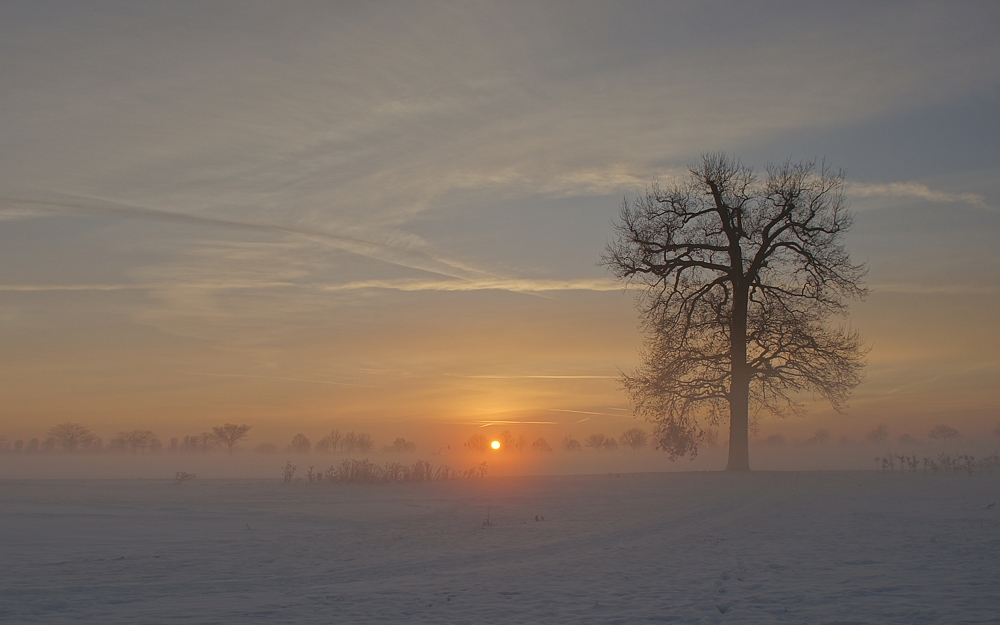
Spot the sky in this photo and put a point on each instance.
(389, 216)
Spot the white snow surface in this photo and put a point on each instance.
(810, 547)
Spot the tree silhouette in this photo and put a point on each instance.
(878, 434)
(330, 442)
(571, 444)
(300, 444)
(943, 433)
(401, 445)
(634, 438)
(71, 436)
(230, 434)
(541, 444)
(136, 439)
(740, 276)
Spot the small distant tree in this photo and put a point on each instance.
(634, 438)
(330, 442)
(541, 445)
(300, 444)
(595, 441)
(136, 439)
(878, 434)
(507, 440)
(71, 436)
(349, 442)
(821, 436)
(365, 442)
(521, 442)
(943, 433)
(478, 443)
(230, 434)
(401, 445)
(610, 443)
(571, 444)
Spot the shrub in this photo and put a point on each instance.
(288, 472)
(367, 472)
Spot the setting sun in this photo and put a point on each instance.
(495, 444)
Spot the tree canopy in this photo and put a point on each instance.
(739, 275)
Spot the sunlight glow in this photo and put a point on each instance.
(495, 444)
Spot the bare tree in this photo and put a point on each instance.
(878, 434)
(330, 442)
(477, 442)
(571, 444)
(541, 445)
(230, 434)
(943, 433)
(635, 438)
(595, 441)
(300, 444)
(401, 445)
(740, 276)
(507, 440)
(365, 442)
(71, 436)
(136, 439)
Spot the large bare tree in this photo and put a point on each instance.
(741, 274)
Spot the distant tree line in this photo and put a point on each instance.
(71, 437)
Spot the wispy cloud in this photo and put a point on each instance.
(522, 285)
(206, 286)
(486, 424)
(602, 414)
(934, 289)
(917, 190)
(540, 377)
(275, 377)
(398, 250)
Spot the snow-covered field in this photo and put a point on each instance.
(814, 547)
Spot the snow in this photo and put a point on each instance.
(783, 547)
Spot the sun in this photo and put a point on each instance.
(495, 444)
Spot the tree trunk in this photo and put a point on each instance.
(739, 390)
(739, 418)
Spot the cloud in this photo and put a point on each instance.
(517, 285)
(909, 288)
(397, 248)
(917, 190)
